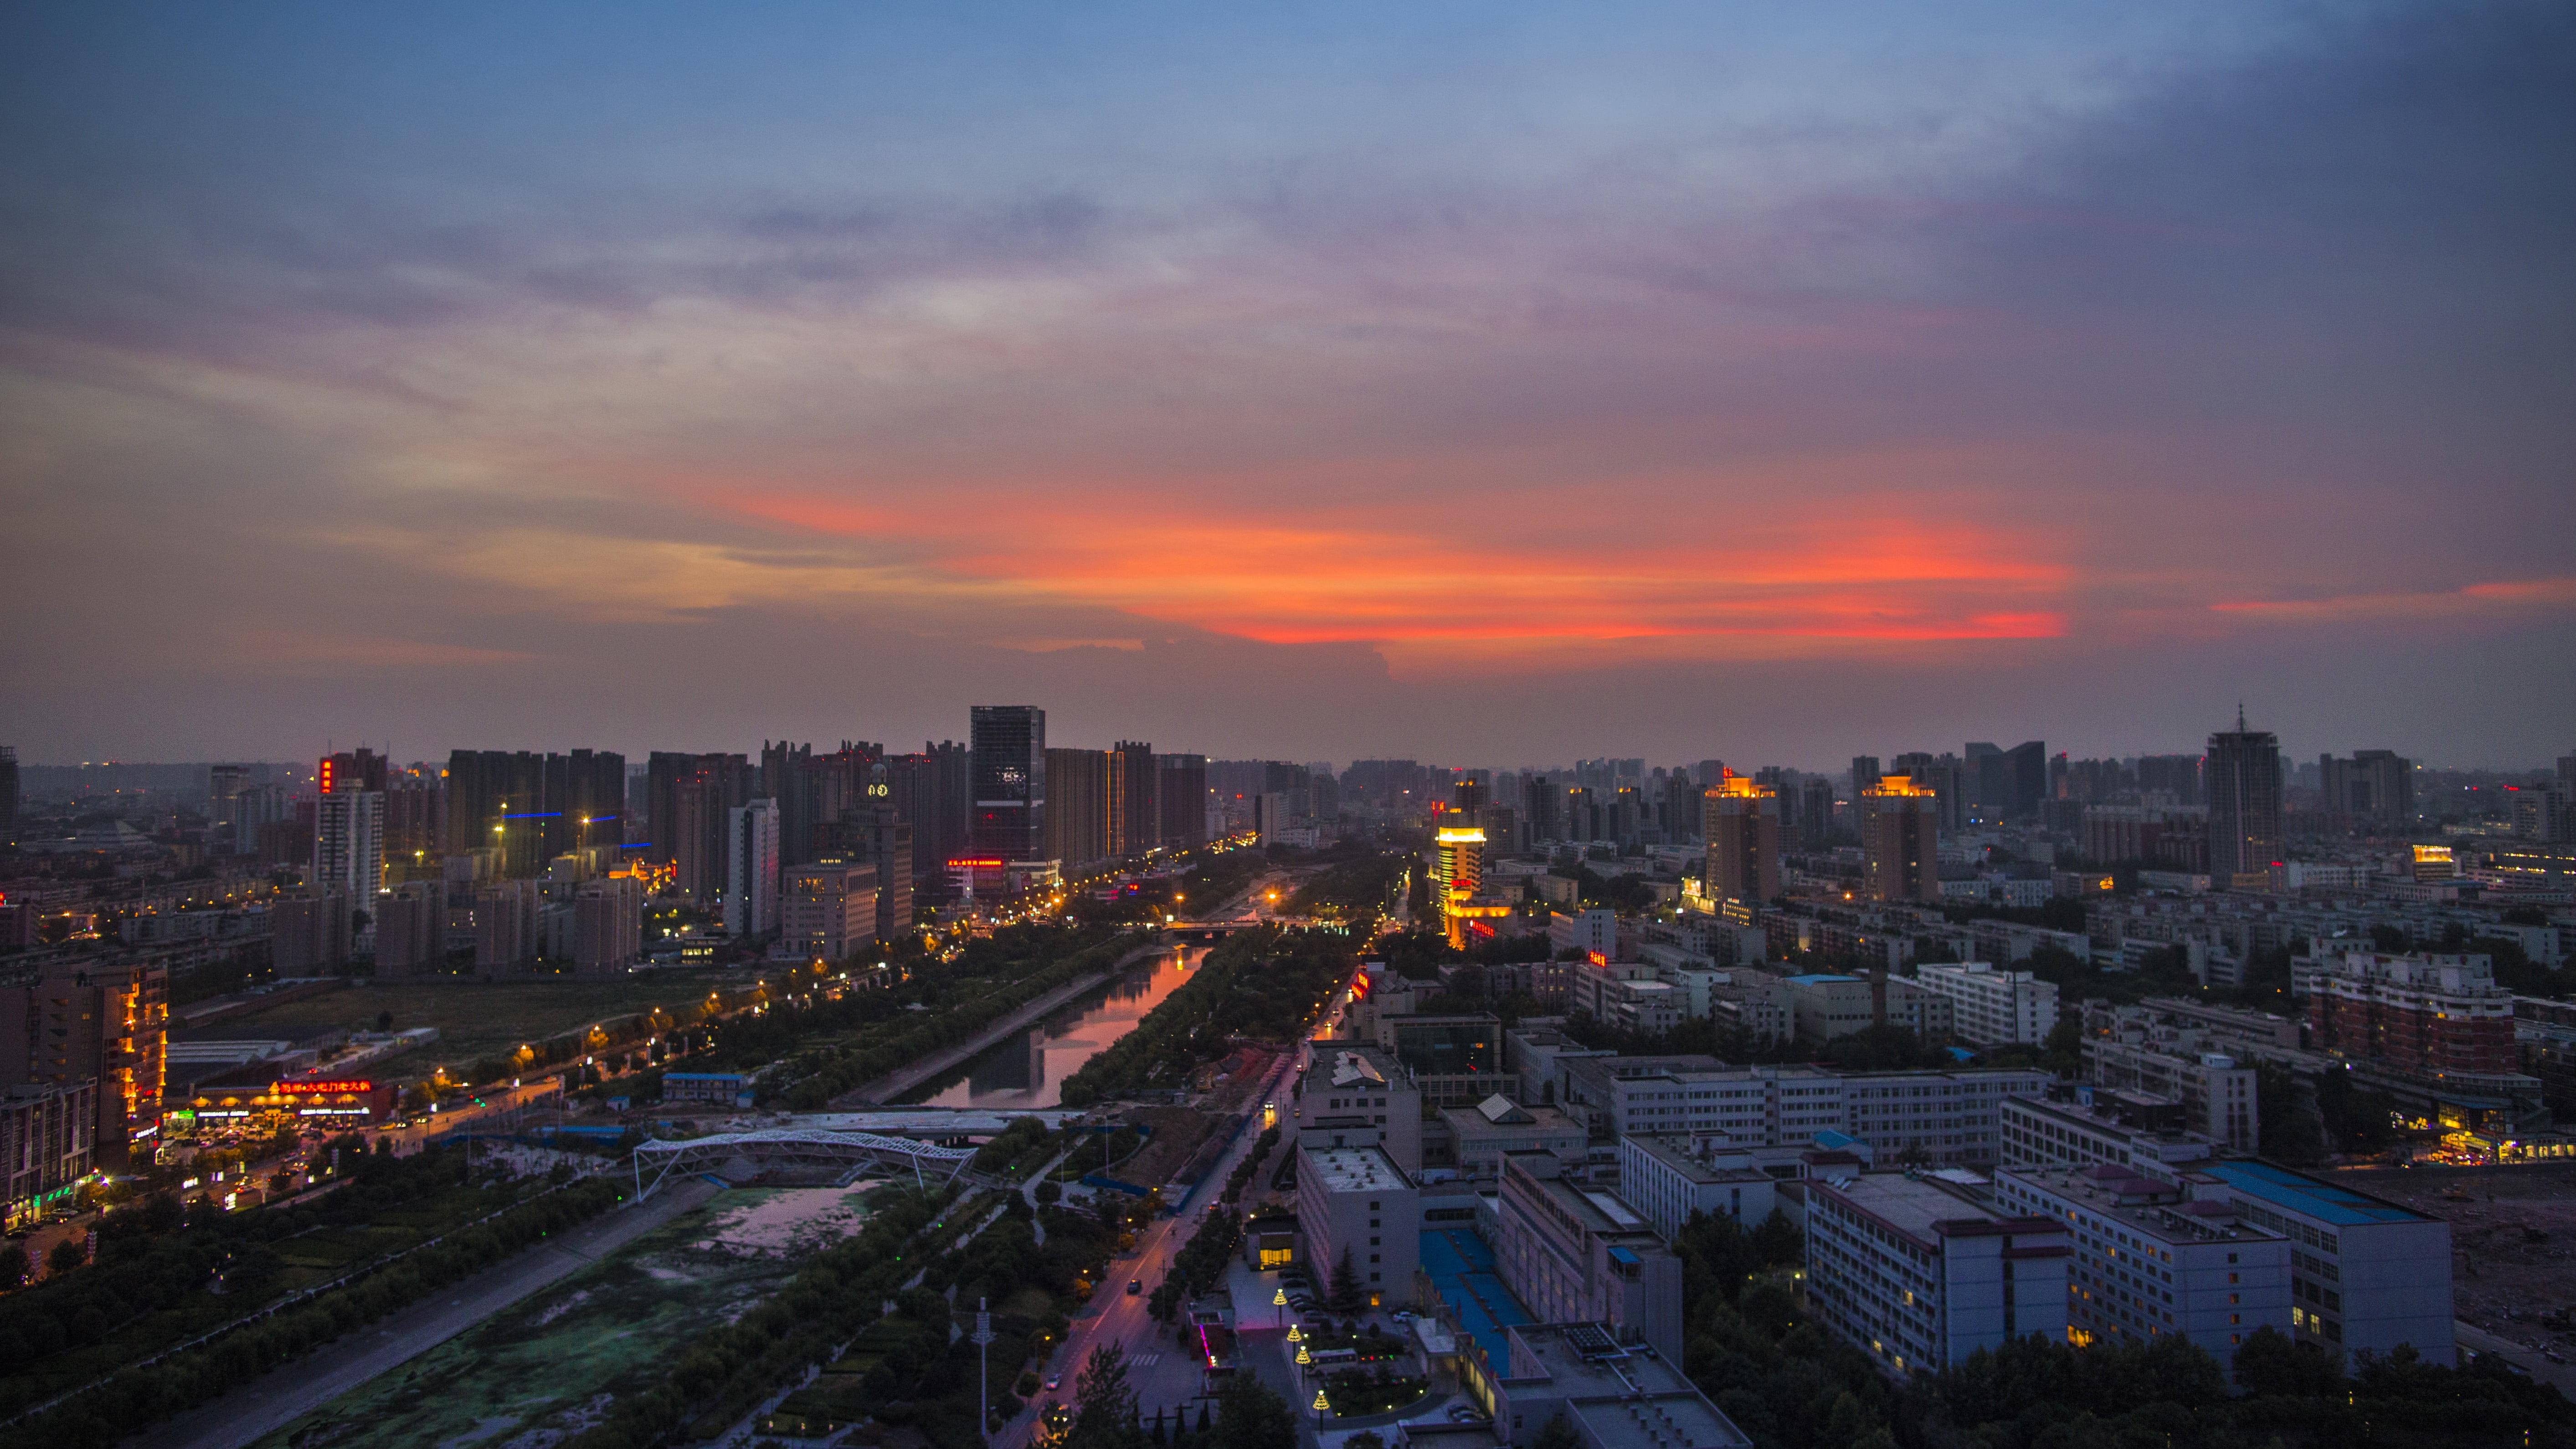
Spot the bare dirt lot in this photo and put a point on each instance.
(2513, 1240)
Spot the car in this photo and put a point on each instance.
(1054, 1382)
(1135, 1286)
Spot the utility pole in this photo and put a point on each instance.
(983, 1383)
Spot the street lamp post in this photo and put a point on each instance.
(983, 1381)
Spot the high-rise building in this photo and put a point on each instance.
(224, 787)
(1901, 840)
(9, 794)
(2175, 775)
(828, 909)
(349, 841)
(79, 1023)
(880, 836)
(1181, 795)
(2243, 777)
(608, 926)
(933, 791)
(751, 869)
(1077, 807)
(813, 790)
(2025, 778)
(2374, 790)
(1743, 839)
(1141, 825)
(1865, 773)
(535, 807)
(411, 931)
(1008, 744)
(1457, 871)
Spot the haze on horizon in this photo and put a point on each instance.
(1478, 384)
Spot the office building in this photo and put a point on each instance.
(349, 844)
(2431, 1014)
(1901, 841)
(1355, 1205)
(2373, 791)
(1471, 1141)
(1612, 1398)
(1826, 1006)
(1919, 1273)
(2134, 1131)
(2216, 1090)
(827, 910)
(1457, 871)
(1008, 742)
(1742, 823)
(2365, 1273)
(48, 1143)
(2243, 778)
(1359, 1097)
(1991, 1008)
(751, 870)
(1661, 1178)
(82, 1023)
(1455, 1060)
(2150, 1263)
(1583, 1256)
(1950, 1117)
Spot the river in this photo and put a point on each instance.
(1028, 1068)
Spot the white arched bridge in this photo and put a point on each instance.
(852, 1154)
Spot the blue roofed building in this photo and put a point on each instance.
(2366, 1275)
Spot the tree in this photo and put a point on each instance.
(1049, 1193)
(1345, 1295)
(384, 1021)
(2270, 1362)
(13, 1266)
(1250, 1416)
(1104, 1407)
(1778, 1239)
(2285, 1118)
(68, 1254)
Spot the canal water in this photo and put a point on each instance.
(1028, 1069)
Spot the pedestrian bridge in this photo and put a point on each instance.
(850, 1154)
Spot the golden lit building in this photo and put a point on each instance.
(1457, 871)
(1743, 829)
(1900, 833)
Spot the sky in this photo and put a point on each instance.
(1478, 384)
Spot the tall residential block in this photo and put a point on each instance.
(76, 1024)
(536, 807)
(1077, 807)
(2374, 790)
(751, 869)
(2243, 779)
(608, 926)
(1141, 822)
(1743, 829)
(1181, 796)
(1901, 840)
(349, 844)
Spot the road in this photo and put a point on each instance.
(2526, 1359)
(1162, 1373)
(269, 1403)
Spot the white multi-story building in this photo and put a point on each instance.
(2218, 1091)
(827, 910)
(1918, 1273)
(1827, 1006)
(349, 844)
(1940, 1117)
(1354, 1204)
(2040, 1133)
(1594, 932)
(751, 869)
(1993, 1008)
(1577, 1255)
(1664, 1181)
(2366, 1274)
(2149, 1263)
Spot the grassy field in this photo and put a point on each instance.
(474, 1018)
(557, 1360)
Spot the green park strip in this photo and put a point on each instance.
(1263, 985)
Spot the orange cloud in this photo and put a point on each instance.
(2468, 600)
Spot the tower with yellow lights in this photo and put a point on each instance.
(1900, 834)
(1743, 829)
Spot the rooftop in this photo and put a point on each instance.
(2299, 1193)
(1355, 1169)
(1673, 1152)
(1626, 1396)
(1460, 1266)
(2142, 1204)
(1922, 1208)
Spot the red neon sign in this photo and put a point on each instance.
(978, 863)
(326, 774)
(317, 1089)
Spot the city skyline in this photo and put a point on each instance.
(1494, 385)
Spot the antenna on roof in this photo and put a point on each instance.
(2240, 716)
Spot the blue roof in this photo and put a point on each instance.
(1461, 1268)
(1962, 1054)
(1813, 977)
(2314, 1197)
(1833, 1141)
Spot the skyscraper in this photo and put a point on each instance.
(1457, 870)
(1743, 839)
(751, 869)
(349, 828)
(1181, 797)
(224, 787)
(1141, 828)
(9, 794)
(1901, 840)
(1008, 746)
(2025, 779)
(2243, 778)
(1865, 773)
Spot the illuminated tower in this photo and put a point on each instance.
(1457, 872)
(349, 828)
(1743, 827)
(1010, 782)
(1900, 840)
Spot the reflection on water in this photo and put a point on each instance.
(1027, 1068)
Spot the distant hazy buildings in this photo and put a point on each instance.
(2374, 790)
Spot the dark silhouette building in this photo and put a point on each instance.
(1007, 743)
(2243, 778)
